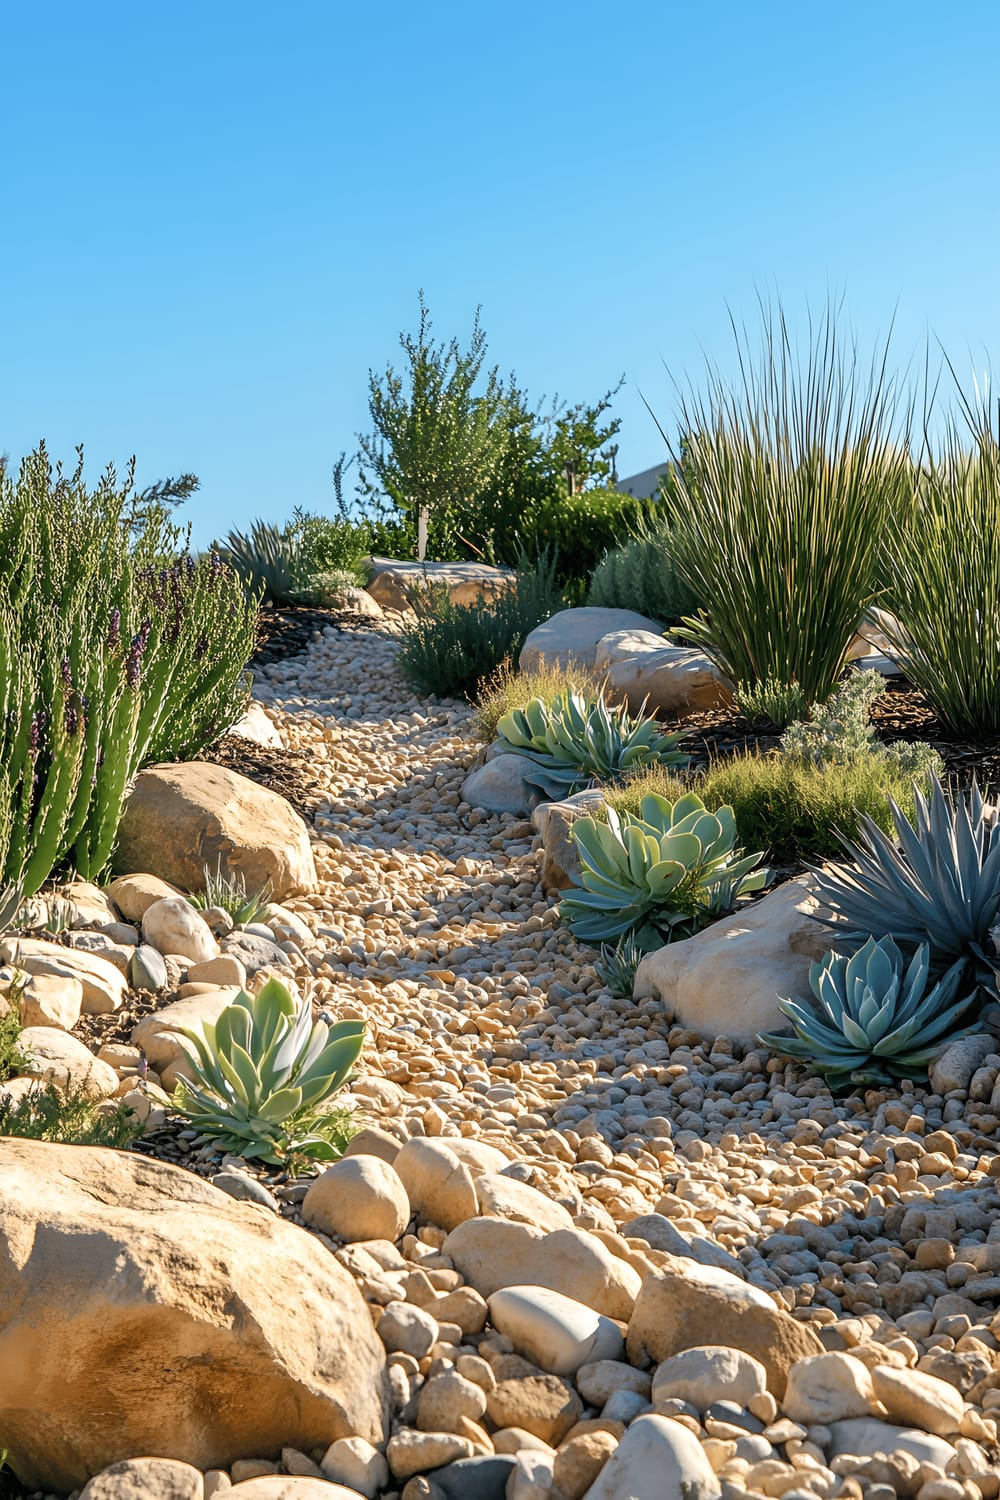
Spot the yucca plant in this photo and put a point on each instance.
(229, 891)
(872, 1017)
(264, 1076)
(576, 739)
(662, 875)
(943, 566)
(781, 491)
(936, 883)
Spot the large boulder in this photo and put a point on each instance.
(726, 980)
(182, 818)
(144, 1313)
(573, 635)
(467, 582)
(643, 668)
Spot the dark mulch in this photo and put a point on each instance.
(283, 633)
(289, 772)
(902, 713)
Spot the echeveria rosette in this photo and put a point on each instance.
(872, 1018)
(662, 874)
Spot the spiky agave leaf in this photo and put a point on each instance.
(264, 1073)
(937, 882)
(664, 872)
(870, 1019)
(578, 738)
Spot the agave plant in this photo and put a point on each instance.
(577, 738)
(662, 875)
(269, 562)
(938, 883)
(870, 1019)
(617, 965)
(264, 1074)
(229, 890)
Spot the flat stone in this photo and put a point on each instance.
(51, 1000)
(225, 968)
(866, 1435)
(392, 580)
(495, 1253)
(133, 894)
(573, 635)
(660, 1234)
(290, 1487)
(241, 1185)
(90, 941)
(503, 1197)
(103, 984)
(54, 1056)
(254, 953)
(555, 1332)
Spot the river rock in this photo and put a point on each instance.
(147, 1285)
(184, 817)
(501, 786)
(657, 1459)
(711, 1372)
(553, 1331)
(553, 820)
(503, 1197)
(356, 1463)
(725, 981)
(439, 1186)
(828, 1388)
(51, 1000)
(495, 1253)
(134, 894)
(685, 1307)
(146, 1479)
(54, 1056)
(103, 984)
(865, 1435)
(358, 1198)
(914, 1399)
(573, 635)
(174, 926)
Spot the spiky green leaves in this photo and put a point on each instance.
(937, 883)
(663, 874)
(577, 738)
(264, 1075)
(872, 1017)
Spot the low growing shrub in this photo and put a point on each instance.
(507, 689)
(838, 732)
(449, 649)
(640, 574)
(771, 705)
(68, 1116)
(228, 890)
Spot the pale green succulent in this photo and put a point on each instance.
(617, 965)
(869, 1021)
(662, 875)
(937, 883)
(577, 739)
(264, 1075)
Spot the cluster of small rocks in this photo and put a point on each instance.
(605, 1255)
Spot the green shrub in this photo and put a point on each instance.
(617, 965)
(839, 731)
(576, 739)
(263, 1077)
(578, 530)
(450, 649)
(331, 544)
(661, 875)
(944, 581)
(68, 1116)
(640, 574)
(507, 689)
(780, 497)
(796, 810)
(870, 1021)
(771, 705)
(115, 649)
(12, 1059)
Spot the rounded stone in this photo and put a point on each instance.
(711, 1372)
(173, 926)
(358, 1198)
(554, 1331)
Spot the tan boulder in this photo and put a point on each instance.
(89, 905)
(495, 1253)
(688, 1306)
(51, 1000)
(181, 818)
(573, 635)
(146, 1479)
(829, 1388)
(134, 894)
(503, 1197)
(725, 981)
(174, 926)
(358, 1198)
(914, 1399)
(671, 680)
(438, 1185)
(467, 582)
(159, 1034)
(553, 820)
(144, 1313)
(104, 985)
(54, 1056)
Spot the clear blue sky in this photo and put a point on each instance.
(217, 214)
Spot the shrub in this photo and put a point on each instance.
(331, 544)
(12, 1059)
(779, 500)
(770, 705)
(662, 875)
(627, 795)
(796, 810)
(578, 529)
(944, 581)
(869, 1021)
(312, 561)
(640, 574)
(937, 882)
(838, 732)
(264, 1075)
(506, 690)
(576, 738)
(68, 1116)
(115, 649)
(450, 649)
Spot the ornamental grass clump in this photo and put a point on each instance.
(264, 1077)
(507, 689)
(662, 874)
(782, 488)
(936, 883)
(872, 1017)
(576, 739)
(116, 649)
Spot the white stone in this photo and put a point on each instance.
(573, 635)
(711, 1372)
(103, 985)
(55, 1056)
(553, 1331)
(256, 727)
(356, 1463)
(502, 1197)
(174, 926)
(657, 1459)
(864, 1435)
(828, 1388)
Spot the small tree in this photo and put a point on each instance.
(435, 442)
